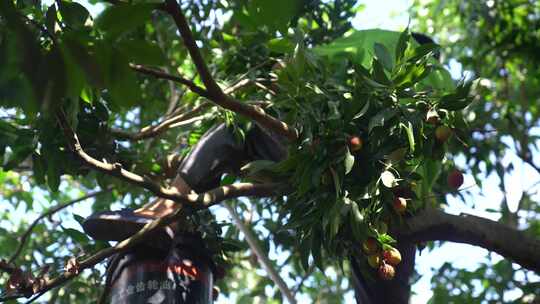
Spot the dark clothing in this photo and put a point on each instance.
(147, 275)
(218, 151)
(181, 275)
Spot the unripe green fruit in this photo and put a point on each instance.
(374, 261)
(442, 133)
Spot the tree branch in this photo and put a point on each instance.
(193, 200)
(253, 243)
(160, 74)
(174, 9)
(215, 93)
(50, 212)
(187, 82)
(167, 124)
(432, 224)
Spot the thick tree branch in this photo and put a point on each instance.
(174, 9)
(50, 212)
(432, 224)
(193, 200)
(214, 91)
(167, 124)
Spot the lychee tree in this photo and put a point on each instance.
(110, 105)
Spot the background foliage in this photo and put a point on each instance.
(497, 42)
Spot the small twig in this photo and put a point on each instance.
(304, 278)
(253, 243)
(37, 296)
(237, 86)
(530, 162)
(160, 74)
(443, 194)
(50, 212)
(152, 131)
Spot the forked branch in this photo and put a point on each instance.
(215, 93)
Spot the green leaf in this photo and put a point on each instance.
(76, 235)
(337, 182)
(403, 43)
(348, 162)
(357, 43)
(123, 87)
(275, 14)
(75, 76)
(73, 14)
(53, 175)
(423, 50)
(120, 18)
(304, 249)
(316, 249)
(411, 74)
(410, 135)
(38, 166)
(384, 56)
(280, 45)
(231, 245)
(50, 18)
(363, 111)
(79, 219)
(379, 75)
(385, 239)
(381, 118)
(457, 100)
(142, 52)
